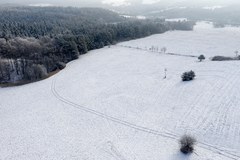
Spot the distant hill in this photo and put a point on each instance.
(219, 11)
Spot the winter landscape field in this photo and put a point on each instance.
(114, 104)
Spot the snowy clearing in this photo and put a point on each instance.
(114, 104)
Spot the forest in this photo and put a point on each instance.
(36, 41)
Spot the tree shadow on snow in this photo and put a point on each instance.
(185, 83)
(180, 156)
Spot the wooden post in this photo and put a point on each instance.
(165, 73)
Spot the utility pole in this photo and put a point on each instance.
(165, 73)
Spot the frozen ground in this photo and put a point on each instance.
(113, 104)
(203, 40)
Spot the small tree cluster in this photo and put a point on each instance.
(13, 71)
(188, 76)
(187, 144)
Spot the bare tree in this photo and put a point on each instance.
(187, 144)
(236, 52)
(164, 50)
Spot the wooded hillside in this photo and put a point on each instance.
(35, 41)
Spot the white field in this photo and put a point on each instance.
(203, 40)
(176, 19)
(113, 104)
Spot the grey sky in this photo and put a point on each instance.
(121, 2)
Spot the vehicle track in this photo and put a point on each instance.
(136, 127)
(197, 101)
(125, 123)
(223, 108)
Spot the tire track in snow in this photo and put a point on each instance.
(134, 126)
(114, 151)
(113, 119)
(196, 102)
(223, 108)
(115, 132)
(197, 99)
(215, 98)
(227, 106)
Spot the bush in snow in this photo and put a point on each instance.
(201, 58)
(223, 58)
(187, 144)
(188, 76)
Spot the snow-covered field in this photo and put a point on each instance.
(176, 19)
(205, 39)
(113, 104)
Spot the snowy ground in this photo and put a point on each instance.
(203, 40)
(113, 104)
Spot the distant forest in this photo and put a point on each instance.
(220, 16)
(35, 41)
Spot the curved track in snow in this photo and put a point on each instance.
(169, 135)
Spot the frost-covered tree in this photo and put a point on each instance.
(164, 50)
(35, 72)
(187, 144)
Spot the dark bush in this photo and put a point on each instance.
(188, 76)
(187, 144)
(222, 58)
(201, 58)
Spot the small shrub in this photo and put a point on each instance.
(187, 144)
(188, 76)
(201, 58)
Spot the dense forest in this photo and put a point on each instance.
(35, 41)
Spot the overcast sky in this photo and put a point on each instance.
(120, 2)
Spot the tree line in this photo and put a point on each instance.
(35, 41)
